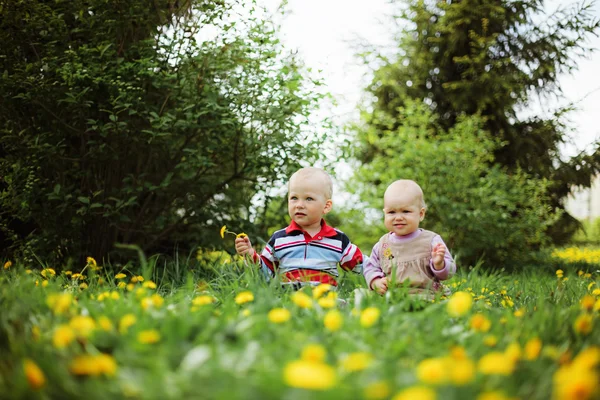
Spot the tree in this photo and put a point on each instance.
(127, 122)
(489, 58)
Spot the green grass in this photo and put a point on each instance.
(229, 351)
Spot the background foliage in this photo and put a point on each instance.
(146, 123)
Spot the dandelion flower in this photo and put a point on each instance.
(559, 273)
(513, 351)
(309, 375)
(7, 264)
(480, 323)
(203, 300)
(329, 301)
(244, 297)
(583, 324)
(333, 320)
(82, 325)
(105, 323)
(433, 371)
(495, 395)
(120, 275)
(587, 302)
(319, 291)
(459, 304)
(356, 362)
(223, 230)
(496, 363)
(369, 316)
(462, 371)
(46, 272)
(377, 391)
(301, 299)
(149, 285)
(93, 365)
(314, 353)
(533, 347)
(33, 373)
(91, 262)
(126, 321)
(63, 336)
(416, 393)
(59, 303)
(573, 382)
(148, 336)
(279, 315)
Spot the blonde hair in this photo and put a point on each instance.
(318, 173)
(406, 185)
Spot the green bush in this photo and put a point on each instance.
(479, 209)
(129, 123)
(589, 233)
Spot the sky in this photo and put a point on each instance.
(325, 34)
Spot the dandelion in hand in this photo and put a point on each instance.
(224, 231)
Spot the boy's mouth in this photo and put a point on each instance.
(300, 215)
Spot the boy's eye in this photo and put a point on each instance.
(293, 198)
(309, 199)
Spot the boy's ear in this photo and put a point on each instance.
(422, 214)
(328, 206)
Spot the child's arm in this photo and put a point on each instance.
(373, 273)
(266, 260)
(442, 264)
(352, 257)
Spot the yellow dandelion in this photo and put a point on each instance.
(44, 283)
(559, 273)
(490, 340)
(63, 336)
(433, 371)
(244, 297)
(203, 300)
(7, 264)
(126, 321)
(333, 320)
(369, 316)
(121, 285)
(588, 358)
(377, 391)
(314, 353)
(46, 272)
(33, 373)
(519, 313)
(480, 323)
(459, 304)
(513, 351)
(301, 299)
(462, 371)
(149, 285)
(496, 363)
(83, 285)
(279, 315)
(223, 230)
(587, 302)
(241, 235)
(120, 275)
(91, 262)
(93, 365)
(416, 393)
(320, 290)
(59, 303)
(309, 375)
(354, 362)
(572, 382)
(533, 347)
(583, 324)
(82, 325)
(494, 395)
(328, 301)
(246, 312)
(148, 336)
(105, 323)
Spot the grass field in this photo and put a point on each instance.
(219, 332)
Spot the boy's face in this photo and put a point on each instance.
(403, 211)
(307, 202)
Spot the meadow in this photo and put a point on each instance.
(211, 328)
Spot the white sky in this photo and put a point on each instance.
(325, 32)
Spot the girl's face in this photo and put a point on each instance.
(403, 213)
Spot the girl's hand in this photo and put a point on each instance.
(243, 246)
(437, 255)
(380, 285)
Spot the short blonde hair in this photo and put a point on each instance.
(317, 173)
(406, 185)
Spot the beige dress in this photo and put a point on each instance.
(408, 263)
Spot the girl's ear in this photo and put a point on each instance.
(328, 206)
(422, 214)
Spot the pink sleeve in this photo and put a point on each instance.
(372, 267)
(449, 264)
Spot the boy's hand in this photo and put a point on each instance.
(243, 246)
(380, 285)
(437, 255)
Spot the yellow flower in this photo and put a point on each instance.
(559, 273)
(495, 395)
(309, 375)
(279, 315)
(246, 313)
(513, 351)
(496, 363)
(105, 323)
(59, 303)
(33, 373)
(301, 299)
(462, 371)
(83, 285)
(328, 301)
(44, 283)
(314, 353)
(354, 362)
(126, 321)
(91, 262)
(150, 285)
(519, 313)
(573, 382)
(93, 365)
(203, 300)
(82, 325)
(240, 235)
(333, 320)
(7, 264)
(433, 371)
(120, 275)
(223, 230)
(244, 297)
(148, 336)
(135, 279)
(63, 336)
(377, 391)
(587, 302)
(154, 301)
(48, 272)
(583, 324)
(490, 340)
(459, 304)
(369, 316)
(416, 393)
(533, 347)
(587, 358)
(121, 285)
(320, 290)
(480, 323)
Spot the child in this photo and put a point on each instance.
(308, 250)
(408, 253)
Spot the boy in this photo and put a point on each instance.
(308, 250)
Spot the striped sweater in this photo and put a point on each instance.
(301, 259)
